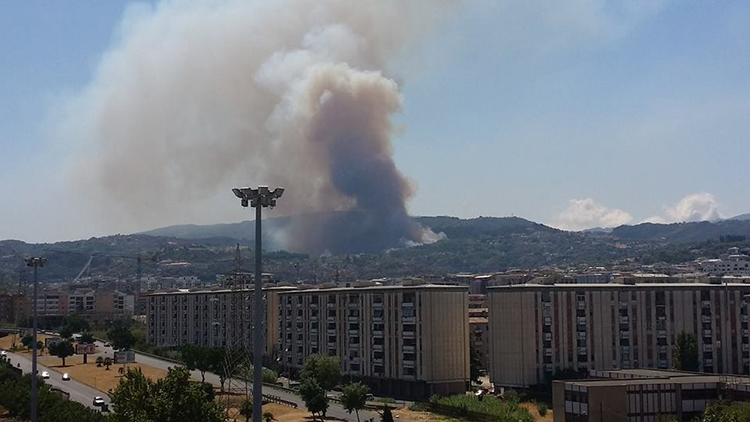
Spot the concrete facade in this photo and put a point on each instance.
(539, 330)
(404, 341)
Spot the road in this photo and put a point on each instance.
(79, 392)
(334, 410)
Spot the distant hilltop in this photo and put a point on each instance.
(476, 245)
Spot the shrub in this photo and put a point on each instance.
(542, 408)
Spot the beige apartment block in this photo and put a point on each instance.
(404, 341)
(209, 317)
(538, 330)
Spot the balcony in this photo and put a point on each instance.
(353, 305)
(705, 304)
(745, 332)
(624, 320)
(706, 333)
(661, 334)
(746, 347)
(353, 318)
(408, 349)
(331, 305)
(378, 333)
(408, 363)
(581, 306)
(378, 361)
(581, 335)
(313, 306)
(705, 319)
(409, 320)
(408, 335)
(708, 348)
(623, 306)
(547, 352)
(583, 351)
(331, 332)
(743, 318)
(377, 347)
(331, 319)
(407, 304)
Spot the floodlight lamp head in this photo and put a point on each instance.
(263, 190)
(244, 202)
(238, 193)
(278, 192)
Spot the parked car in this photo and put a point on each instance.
(3, 353)
(66, 377)
(45, 374)
(98, 401)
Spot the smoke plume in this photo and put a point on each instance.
(196, 97)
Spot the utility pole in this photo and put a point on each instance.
(35, 262)
(258, 199)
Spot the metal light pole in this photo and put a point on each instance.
(35, 262)
(258, 199)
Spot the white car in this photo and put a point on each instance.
(98, 401)
(45, 375)
(66, 377)
(3, 354)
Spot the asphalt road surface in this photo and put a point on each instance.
(334, 409)
(79, 392)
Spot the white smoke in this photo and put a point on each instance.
(694, 207)
(200, 96)
(587, 213)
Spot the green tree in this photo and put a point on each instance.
(326, 370)
(217, 364)
(121, 337)
(246, 409)
(314, 396)
(62, 349)
(685, 354)
(76, 323)
(27, 341)
(99, 361)
(107, 363)
(40, 346)
(268, 417)
(197, 357)
(723, 411)
(387, 415)
(354, 397)
(66, 333)
(475, 367)
(170, 399)
(87, 338)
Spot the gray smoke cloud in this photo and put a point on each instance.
(196, 97)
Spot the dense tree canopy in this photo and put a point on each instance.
(685, 353)
(171, 399)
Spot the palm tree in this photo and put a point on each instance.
(268, 417)
(107, 363)
(99, 361)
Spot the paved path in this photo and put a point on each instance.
(79, 392)
(334, 410)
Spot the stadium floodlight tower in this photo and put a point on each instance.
(259, 198)
(35, 262)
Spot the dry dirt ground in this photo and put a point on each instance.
(535, 412)
(7, 341)
(98, 377)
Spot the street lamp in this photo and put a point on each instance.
(35, 262)
(258, 199)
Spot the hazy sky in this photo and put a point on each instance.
(575, 114)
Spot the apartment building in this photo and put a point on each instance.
(643, 395)
(407, 341)
(539, 330)
(210, 317)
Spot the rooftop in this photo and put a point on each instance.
(652, 376)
